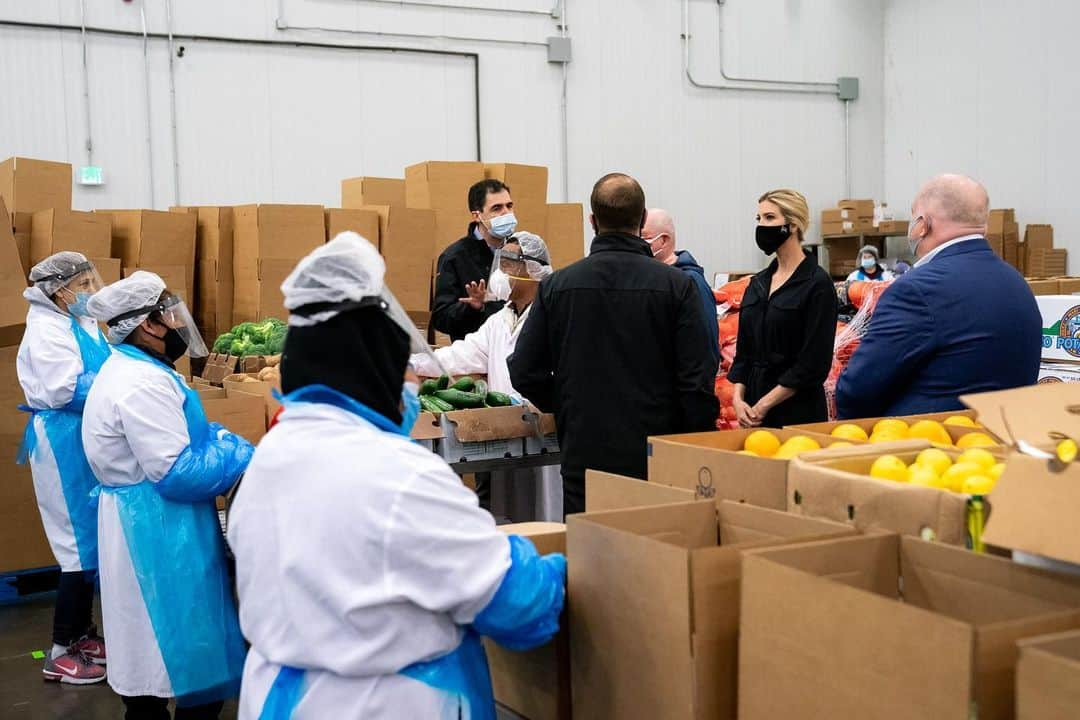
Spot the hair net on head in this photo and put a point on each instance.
(868, 250)
(138, 290)
(56, 271)
(346, 268)
(534, 253)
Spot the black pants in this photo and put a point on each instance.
(573, 495)
(147, 707)
(483, 489)
(74, 607)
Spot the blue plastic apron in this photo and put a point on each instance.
(462, 673)
(178, 556)
(63, 430)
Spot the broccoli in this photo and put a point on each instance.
(240, 347)
(262, 338)
(223, 343)
(256, 349)
(276, 343)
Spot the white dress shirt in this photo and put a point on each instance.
(956, 241)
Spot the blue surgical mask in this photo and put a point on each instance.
(868, 263)
(410, 406)
(78, 307)
(503, 226)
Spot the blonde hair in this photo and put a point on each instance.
(793, 205)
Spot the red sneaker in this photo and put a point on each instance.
(73, 668)
(91, 646)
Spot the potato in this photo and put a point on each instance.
(273, 360)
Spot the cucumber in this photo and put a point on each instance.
(443, 382)
(461, 400)
(440, 406)
(465, 384)
(428, 387)
(481, 388)
(498, 399)
(426, 404)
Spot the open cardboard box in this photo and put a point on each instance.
(889, 627)
(837, 485)
(261, 388)
(1036, 498)
(240, 413)
(867, 424)
(654, 604)
(709, 463)
(486, 433)
(1048, 677)
(607, 491)
(427, 431)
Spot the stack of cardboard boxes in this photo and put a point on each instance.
(1041, 258)
(847, 227)
(1003, 234)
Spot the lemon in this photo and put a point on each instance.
(796, 445)
(849, 432)
(762, 442)
(935, 459)
(889, 467)
(997, 471)
(1066, 450)
(975, 439)
(962, 421)
(954, 477)
(978, 485)
(979, 456)
(923, 475)
(893, 426)
(886, 436)
(841, 444)
(931, 431)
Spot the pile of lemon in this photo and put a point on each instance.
(975, 471)
(763, 443)
(894, 429)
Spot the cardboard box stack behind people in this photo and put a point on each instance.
(654, 610)
(565, 233)
(444, 188)
(889, 627)
(29, 185)
(1048, 677)
(213, 269)
(528, 187)
(407, 244)
(54, 230)
(361, 191)
(160, 242)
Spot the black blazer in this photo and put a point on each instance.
(787, 339)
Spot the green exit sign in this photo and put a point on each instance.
(91, 175)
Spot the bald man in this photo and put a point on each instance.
(960, 321)
(659, 233)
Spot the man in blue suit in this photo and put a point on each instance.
(960, 321)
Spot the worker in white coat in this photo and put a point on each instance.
(366, 571)
(165, 593)
(60, 355)
(518, 268)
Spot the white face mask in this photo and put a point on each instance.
(913, 242)
(650, 242)
(502, 226)
(499, 285)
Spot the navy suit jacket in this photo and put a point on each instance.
(966, 322)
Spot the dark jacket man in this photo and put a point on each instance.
(467, 260)
(688, 264)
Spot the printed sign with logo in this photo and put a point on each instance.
(1061, 327)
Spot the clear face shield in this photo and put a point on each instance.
(510, 265)
(173, 313)
(76, 286)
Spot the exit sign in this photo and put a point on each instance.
(91, 175)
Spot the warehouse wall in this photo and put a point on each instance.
(987, 89)
(286, 124)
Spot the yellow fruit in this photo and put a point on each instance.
(747, 452)
(997, 471)
(1066, 450)
(762, 442)
(962, 421)
(978, 485)
(889, 467)
(849, 432)
(886, 437)
(975, 439)
(936, 460)
(893, 426)
(923, 475)
(931, 431)
(796, 445)
(979, 456)
(841, 444)
(954, 477)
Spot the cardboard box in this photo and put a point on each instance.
(887, 627)
(1047, 263)
(893, 226)
(54, 230)
(1061, 327)
(260, 388)
(444, 188)
(534, 684)
(12, 284)
(407, 243)
(151, 238)
(867, 424)
(710, 465)
(1068, 286)
(547, 439)
(861, 208)
(363, 222)
(213, 269)
(836, 215)
(839, 487)
(565, 233)
(1048, 677)
(999, 218)
(427, 431)
(29, 185)
(1034, 499)
(108, 268)
(485, 433)
(359, 192)
(1039, 237)
(607, 491)
(268, 240)
(241, 413)
(654, 605)
(528, 187)
(1042, 286)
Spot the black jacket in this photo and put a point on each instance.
(467, 260)
(615, 345)
(787, 339)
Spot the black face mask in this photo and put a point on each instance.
(175, 345)
(771, 237)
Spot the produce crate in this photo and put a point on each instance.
(550, 441)
(485, 433)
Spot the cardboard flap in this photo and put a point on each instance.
(486, 424)
(1029, 413)
(606, 491)
(684, 524)
(1048, 677)
(427, 427)
(547, 537)
(741, 523)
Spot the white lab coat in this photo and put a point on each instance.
(133, 429)
(358, 554)
(486, 351)
(48, 365)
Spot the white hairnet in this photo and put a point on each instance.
(346, 268)
(868, 250)
(56, 271)
(138, 290)
(535, 251)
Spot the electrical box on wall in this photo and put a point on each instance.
(558, 49)
(91, 175)
(847, 88)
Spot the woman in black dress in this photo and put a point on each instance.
(786, 325)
